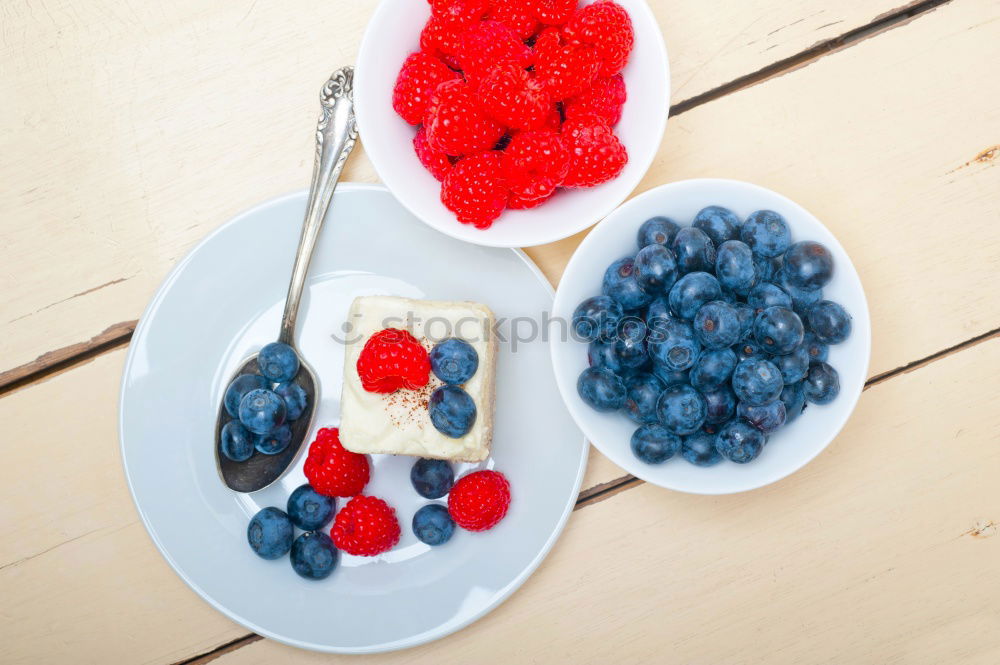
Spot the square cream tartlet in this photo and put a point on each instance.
(399, 423)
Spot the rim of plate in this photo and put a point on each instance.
(568, 392)
(430, 636)
(643, 162)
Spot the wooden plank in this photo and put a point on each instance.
(184, 114)
(880, 551)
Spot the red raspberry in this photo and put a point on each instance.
(488, 44)
(478, 501)
(420, 75)
(553, 12)
(534, 164)
(596, 153)
(605, 98)
(434, 161)
(554, 120)
(563, 69)
(393, 359)
(517, 203)
(474, 189)
(518, 15)
(455, 124)
(459, 14)
(513, 97)
(366, 526)
(441, 41)
(606, 26)
(331, 469)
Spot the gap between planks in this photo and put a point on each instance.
(120, 334)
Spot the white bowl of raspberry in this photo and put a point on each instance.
(533, 120)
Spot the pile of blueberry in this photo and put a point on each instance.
(271, 532)
(432, 478)
(712, 336)
(452, 410)
(262, 406)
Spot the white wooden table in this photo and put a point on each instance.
(129, 129)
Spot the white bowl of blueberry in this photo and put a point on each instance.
(718, 336)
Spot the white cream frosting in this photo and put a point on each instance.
(399, 423)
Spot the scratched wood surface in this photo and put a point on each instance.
(879, 551)
(131, 129)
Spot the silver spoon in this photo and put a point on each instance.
(336, 135)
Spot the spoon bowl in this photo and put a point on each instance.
(336, 135)
(261, 470)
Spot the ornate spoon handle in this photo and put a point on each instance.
(336, 135)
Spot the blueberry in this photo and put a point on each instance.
(602, 354)
(681, 409)
(767, 418)
(766, 294)
(822, 383)
(767, 267)
(739, 442)
(642, 391)
(597, 318)
(601, 389)
(452, 411)
(620, 283)
(295, 399)
(433, 525)
(655, 268)
(657, 230)
(712, 369)
(654, 444)
(432, 478)
(262, 410)
(454, 360)
(669, 377)
(746, 314)
(720, 405)
(808, 265)
(313, 555)
(717, 325)
(757, 382)
(794, 398)
(766, 232)
(691, 292)
(278, 362)
(829, 322)
(778, 330)
(309, 510)
(236, 441)
(678, 350)
(240, 386)
(630, 353)
(718, 223)
(802, 299)
(734, 266)
(274, 441)
(699, 449)
(270, 533)
(817, 350)
(749, 349)
(658, 311)
(793, 366)
(693, 250)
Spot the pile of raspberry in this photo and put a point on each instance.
(513, 99)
